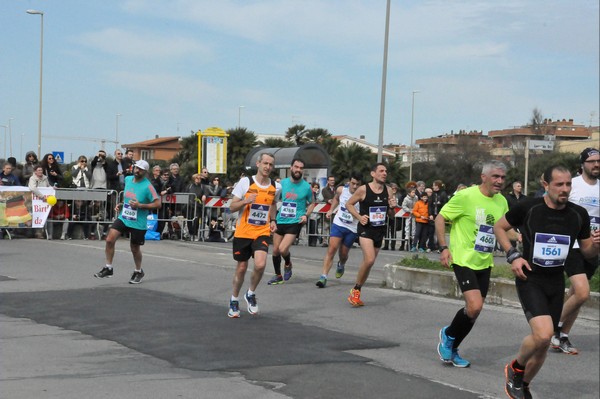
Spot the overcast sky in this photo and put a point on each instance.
(173, 66)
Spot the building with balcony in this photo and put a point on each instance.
(508, 143)
(159, 148)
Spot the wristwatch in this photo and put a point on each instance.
(443, 247)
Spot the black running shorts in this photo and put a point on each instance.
(542, 294)
(244, 248)
(283, 229)
(469, 279)
(138, 237)
(577, 264)
(375, 234)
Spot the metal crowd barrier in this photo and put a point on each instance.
(182, 216)
(91, 209)
(176, 215)
(317, 229)
(214, 208)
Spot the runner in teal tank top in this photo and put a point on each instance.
(296, 206)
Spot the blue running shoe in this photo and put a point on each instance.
(277, 279)
(251, 302)
(458, 361)
(322, 282)
(234, 309)
(287, 272)
(339, 270)
(445, 346)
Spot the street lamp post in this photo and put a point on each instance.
(10, 136)
(240, 115)
(21, 147)
(41, 14)
(5, 129)
(383, 83)
(117, 132)
(412, 124)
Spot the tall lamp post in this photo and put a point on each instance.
(117, 132)
(240, 115)
(5, 129)
(41, 14)
(383, 80)
(10, 136)
(412, 124)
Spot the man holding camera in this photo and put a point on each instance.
(99, 170)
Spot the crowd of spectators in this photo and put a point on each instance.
(412, 230)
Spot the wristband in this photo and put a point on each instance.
(443, 247)
(512, 254)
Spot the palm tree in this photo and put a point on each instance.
(239, 143)
(394, 171)
(330, 145)
(187, 157)
(348, 158)
(297, 133)
(317, 135)
(276, 143)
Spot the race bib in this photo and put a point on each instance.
(288, 210)
(377, 215)
(345, 216)
(485, 240)
(128, 213)
(550, 250)
(258, 214)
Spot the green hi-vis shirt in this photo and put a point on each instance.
(473, 216)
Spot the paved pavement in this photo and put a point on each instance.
(65, 334)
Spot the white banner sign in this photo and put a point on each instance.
(19, 207)
(543, 145)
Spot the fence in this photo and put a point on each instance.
(92, 210)
(184, 216)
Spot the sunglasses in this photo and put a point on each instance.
(50, 159)
(83, 161)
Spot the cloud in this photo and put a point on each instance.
(165, 86)
(131, 44)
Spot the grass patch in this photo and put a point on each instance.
(498, 271)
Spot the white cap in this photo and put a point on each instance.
(141, 164)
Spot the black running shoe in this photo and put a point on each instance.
(104, 273)
(514, 382)
(137, 277)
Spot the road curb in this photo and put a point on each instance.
(434, 282)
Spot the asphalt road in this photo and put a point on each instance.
(65, 334)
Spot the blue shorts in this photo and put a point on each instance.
(347, 236)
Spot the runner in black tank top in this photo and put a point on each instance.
(375, 206)
(375, 199)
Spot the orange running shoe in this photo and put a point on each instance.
(354, 298)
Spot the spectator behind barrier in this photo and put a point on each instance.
(80, 174)
(52, 170)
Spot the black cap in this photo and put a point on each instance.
(588, 152)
